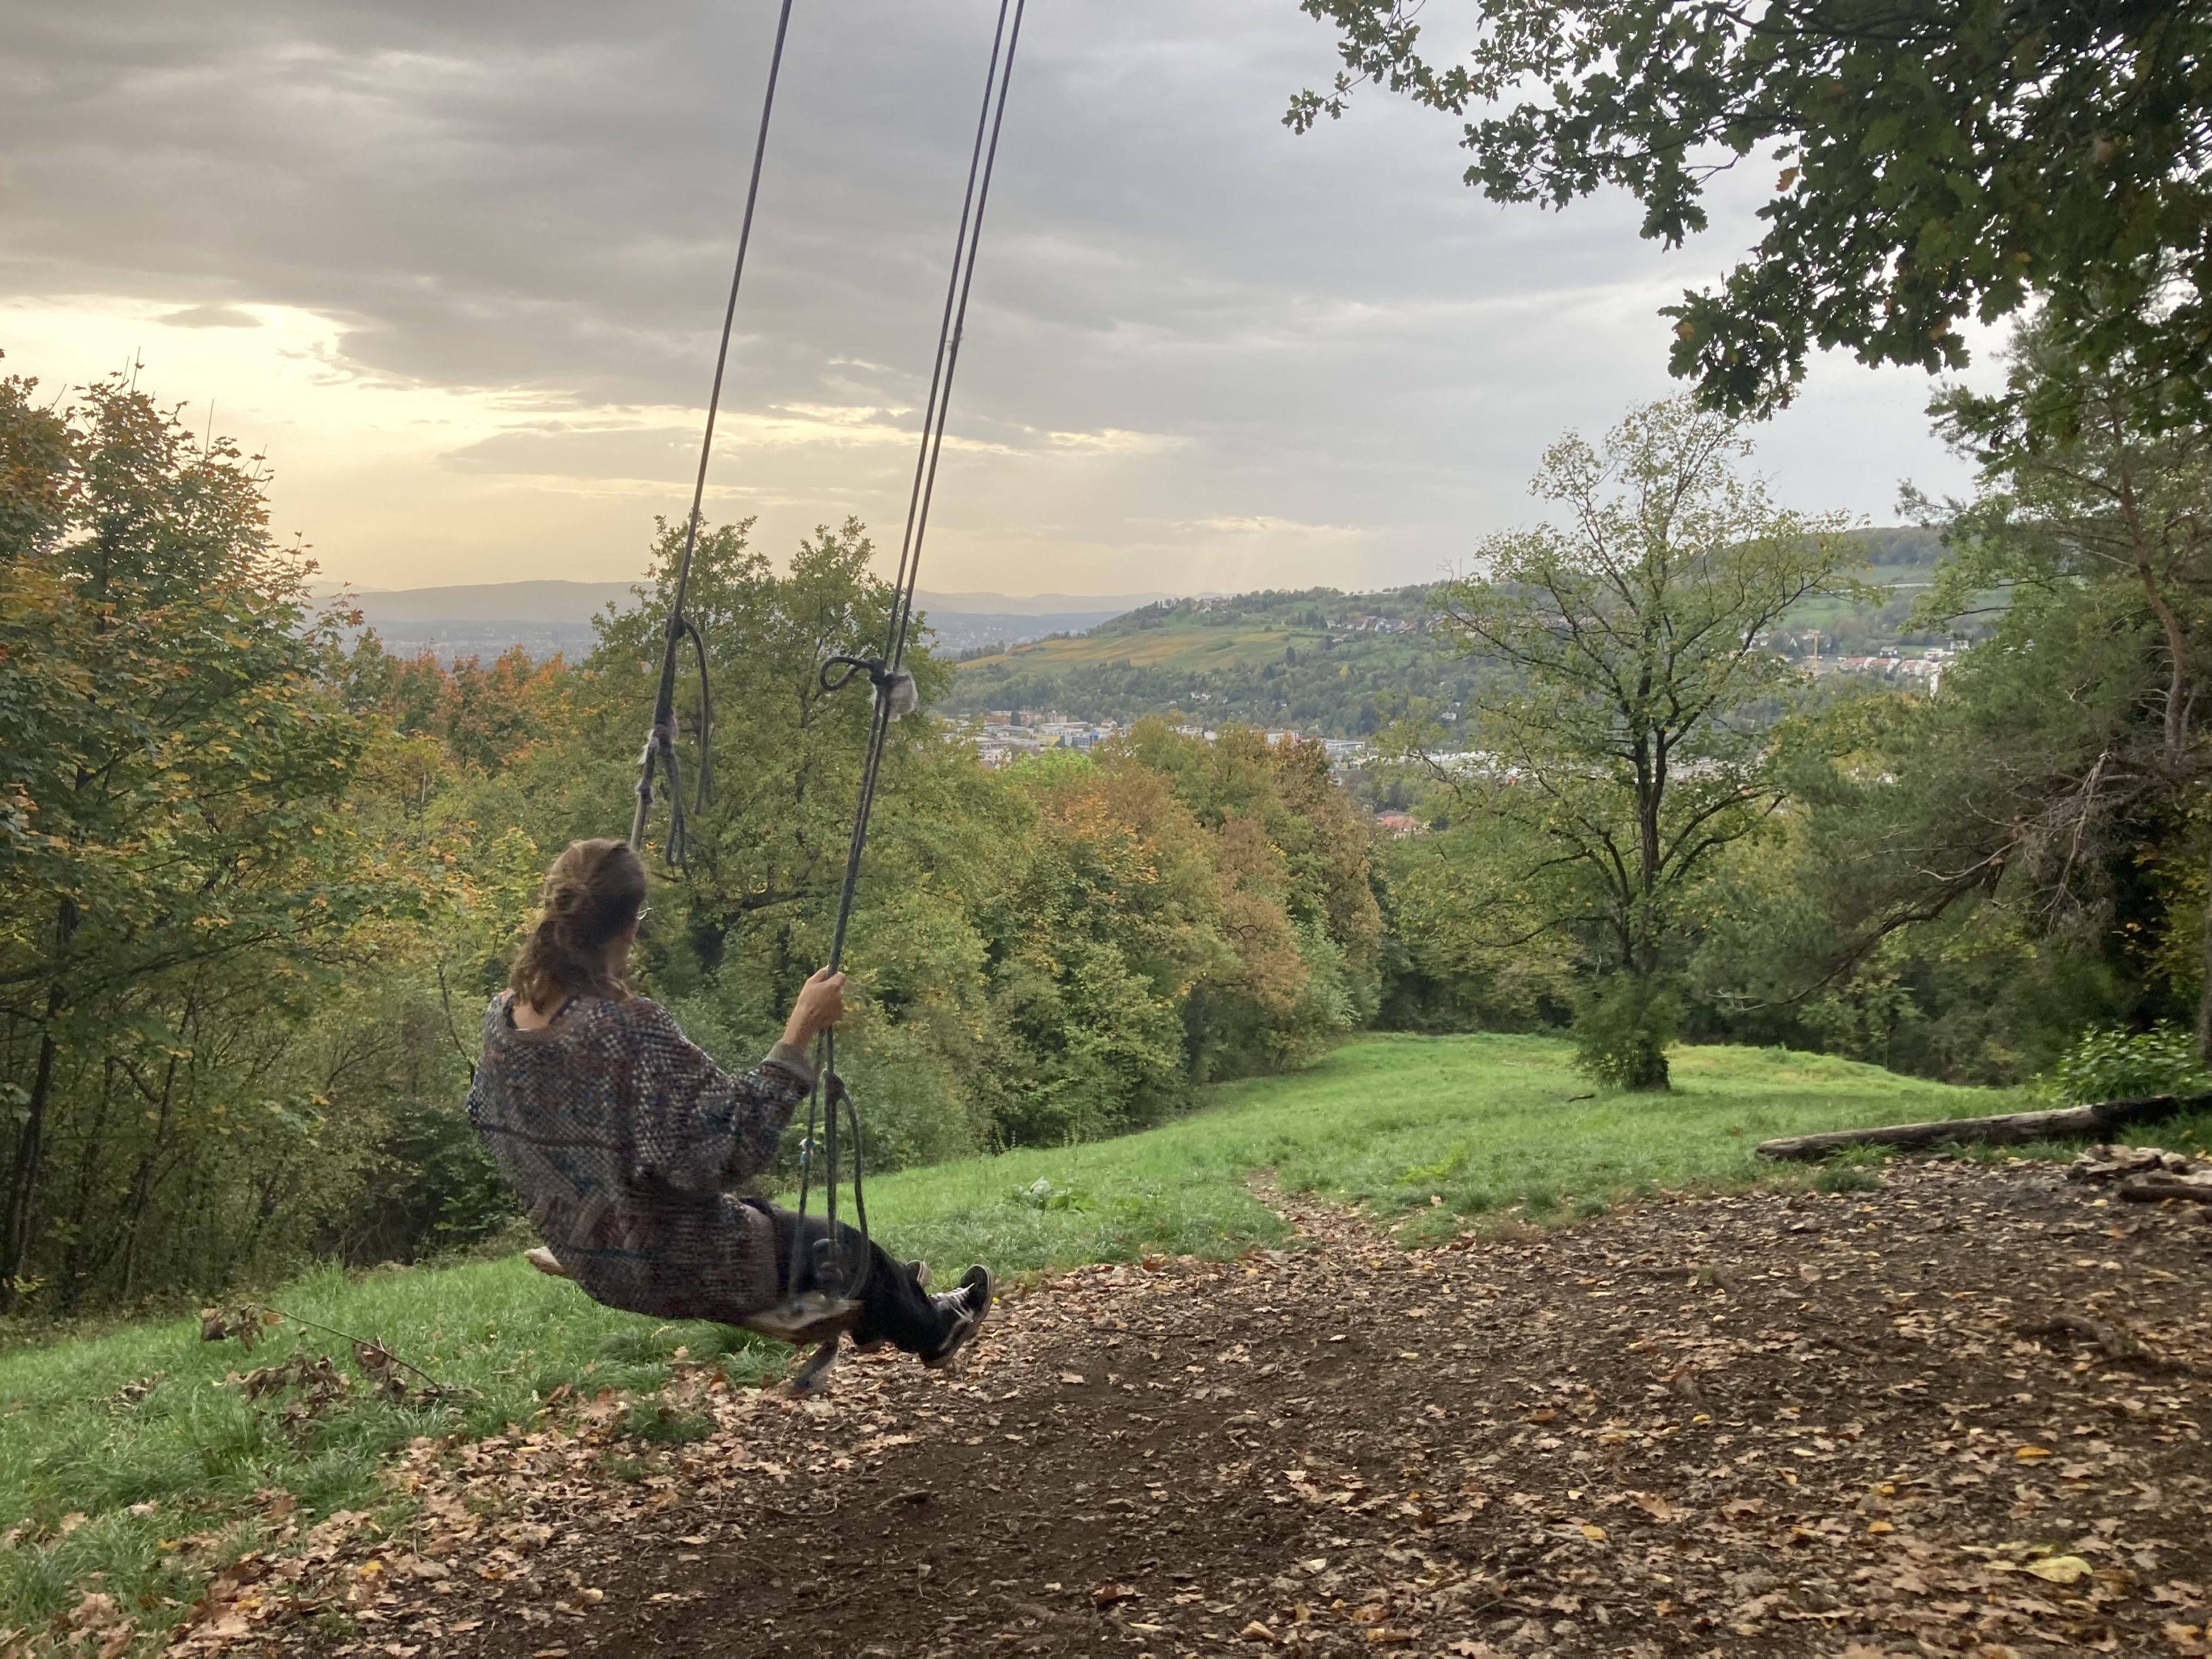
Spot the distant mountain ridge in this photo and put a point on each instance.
(486, 618)
(553, 601)
(529, 601)
(1036, 604)
(1320, 659)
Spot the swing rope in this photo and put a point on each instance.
(660, 742)
(829, 1104)
(894, 687)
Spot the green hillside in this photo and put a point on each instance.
(1331, 664)
(1326, 663)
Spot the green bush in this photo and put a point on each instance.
(1046, 1193)
(1623, 1027)
(2114, 1063)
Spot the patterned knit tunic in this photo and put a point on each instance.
(623, 1139)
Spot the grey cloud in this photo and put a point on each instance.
(543, 194)
(664, 454)
(211, 316)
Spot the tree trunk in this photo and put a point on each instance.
(89, 1169)
(142, 1183)
(31, 1143)
(2204, 1000)
(1652, 1075)
(2100, 1119)
(2179, 693)
(30, 1150)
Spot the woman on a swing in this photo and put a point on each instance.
(624, 1139)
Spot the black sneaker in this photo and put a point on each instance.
(971, 1305)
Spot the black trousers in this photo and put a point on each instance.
(894, 1307)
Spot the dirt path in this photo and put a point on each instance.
(1846, 1425)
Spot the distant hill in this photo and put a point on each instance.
(1902, 560)
(544, 617)
(1333, 664)
(1037, 605)
(1318, 661)
(968, 621)
(531, 602)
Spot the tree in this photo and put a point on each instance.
(1938, 161)
(172, 863)
(1296, 903)
(2094, 498)
(1112, 918)
(1638, 741)
(2050, 811)
(2080, 488)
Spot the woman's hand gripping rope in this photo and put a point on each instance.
(820, 1005)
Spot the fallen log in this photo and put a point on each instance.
(2156, 1190)
(2063, 1123)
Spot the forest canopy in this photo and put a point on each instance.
(257, 882)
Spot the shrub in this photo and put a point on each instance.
(1623, 1027)
(1046, 1193)
(2114, 1063)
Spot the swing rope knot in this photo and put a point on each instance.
(894, 687)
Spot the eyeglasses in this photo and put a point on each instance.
(643, 911)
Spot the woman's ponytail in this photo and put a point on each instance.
(593, 894)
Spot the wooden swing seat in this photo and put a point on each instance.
(809, 1319)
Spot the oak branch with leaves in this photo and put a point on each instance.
(1934, 161)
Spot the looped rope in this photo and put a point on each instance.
(659, 753)
(893, 685)
(853, 666)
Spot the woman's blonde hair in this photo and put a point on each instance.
(592, 893)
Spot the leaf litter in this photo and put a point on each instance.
(1961, 1414)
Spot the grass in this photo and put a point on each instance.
(1436, 1131)
(133, 1468)
(144, 1494)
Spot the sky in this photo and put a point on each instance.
(457, 271)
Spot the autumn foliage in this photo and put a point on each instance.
(260, 874)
